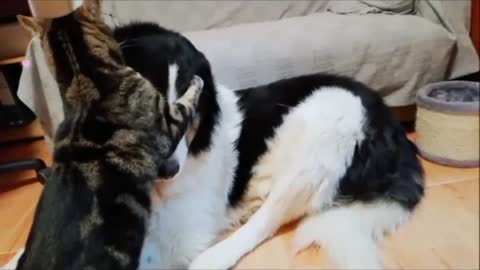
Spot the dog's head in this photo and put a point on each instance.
(169, 61)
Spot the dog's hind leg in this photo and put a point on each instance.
(287, 201)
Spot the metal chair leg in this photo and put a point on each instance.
(27, 164)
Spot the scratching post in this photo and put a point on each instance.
(448, 123)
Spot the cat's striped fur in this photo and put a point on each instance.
(117, 131)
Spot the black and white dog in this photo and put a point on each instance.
(319, 147)
(322, 147)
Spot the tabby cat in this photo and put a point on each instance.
(117, 131)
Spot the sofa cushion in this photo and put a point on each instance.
(394, 54)
(394, 6)
(371, 6)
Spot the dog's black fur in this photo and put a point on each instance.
(383, 164)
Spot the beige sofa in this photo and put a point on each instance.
(395, 46)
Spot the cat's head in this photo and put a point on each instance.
(85, 29)
(81, 54)
(107, 102)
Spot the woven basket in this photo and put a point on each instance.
(448, 123)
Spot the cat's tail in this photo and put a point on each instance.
(349, 234)
(12, 264)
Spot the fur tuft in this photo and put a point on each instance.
(349, 234)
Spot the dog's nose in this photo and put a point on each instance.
(168, 168)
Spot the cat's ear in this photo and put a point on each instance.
(36, 26)
(92, 7)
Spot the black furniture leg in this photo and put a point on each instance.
(22, 116)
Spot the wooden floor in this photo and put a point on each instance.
(444, 233)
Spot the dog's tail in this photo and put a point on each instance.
(349, 234)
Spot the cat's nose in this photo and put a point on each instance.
(168, 168)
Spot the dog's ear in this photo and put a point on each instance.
(36, 26)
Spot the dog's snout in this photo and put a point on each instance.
(169, 168)
(172, 167)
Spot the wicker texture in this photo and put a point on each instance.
(448, 132)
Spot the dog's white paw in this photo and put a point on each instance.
(213, 258)
(12, 264)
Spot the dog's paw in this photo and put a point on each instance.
(12, 264)
(211, 259)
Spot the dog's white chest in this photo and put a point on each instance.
(181, 227)
(193, 211)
